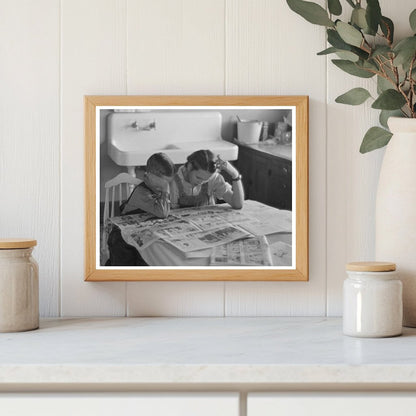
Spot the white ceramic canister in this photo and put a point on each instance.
(248, 132)
(19, 286)
(372, 300)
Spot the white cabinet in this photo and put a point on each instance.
(119, 404)
(330, 404)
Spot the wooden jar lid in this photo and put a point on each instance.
(371, 266)
(11, 243)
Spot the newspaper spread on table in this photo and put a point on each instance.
(248, 252)
(281, 253)
(201, 228)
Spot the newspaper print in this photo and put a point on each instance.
(207, 239)
(281, 254)
(206, 218)
(213, 216)
(132, 220)
(140, 239)
(248, 252)
(202, 228)
(141, 230)
(175, 229)
(266, 220)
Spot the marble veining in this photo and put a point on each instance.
(203, 350)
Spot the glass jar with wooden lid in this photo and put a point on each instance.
(372, 298)
(19, 286)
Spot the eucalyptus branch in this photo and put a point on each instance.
(374, 54)
(386, 61)
(370, 70)
(406, 97)
(384, 73)
(366, 43)
(395, 71)
(386, 37)
(412, 86)
(381, 65)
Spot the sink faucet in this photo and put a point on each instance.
(147, 125)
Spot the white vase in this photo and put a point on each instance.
(396, 210)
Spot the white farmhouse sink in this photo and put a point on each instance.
(134, 137)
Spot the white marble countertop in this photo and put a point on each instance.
(204, 351)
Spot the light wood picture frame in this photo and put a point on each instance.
(261, 127)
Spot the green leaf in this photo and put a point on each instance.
(334, 7)
(373, 15)
(387, 27)
(370, 65)
(352, 68)
(381, 50)
(412, 20)
(386, 114)
(336, 41)
(356, 96)
(358, 18)
(349, 34)
(311, 12)
(327, 51)
(405, 50)
(375, 138)
(383, 84)
(389, 100)
(347, 56)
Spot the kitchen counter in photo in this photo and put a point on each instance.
(283, 151)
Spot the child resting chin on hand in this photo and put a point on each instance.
(152, 196)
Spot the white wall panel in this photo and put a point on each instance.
(53, 53)
(352, 177)
(93, 63)
(175, 47)
(267, 54)
(175, 299)
(29, 135)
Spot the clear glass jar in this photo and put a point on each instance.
(19, 286)
(372, 297)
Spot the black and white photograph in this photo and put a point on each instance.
(196, 186)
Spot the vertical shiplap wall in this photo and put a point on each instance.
(266, 56)
(93, 61)
(56, 51)
(30, 135)
(175, 47)
(352, 177)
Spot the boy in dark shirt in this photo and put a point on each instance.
(152, 196)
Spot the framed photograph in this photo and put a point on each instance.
(196, 188)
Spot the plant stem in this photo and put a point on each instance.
(412, 86)
(408, 101)
(384, 73)
(395, 72)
